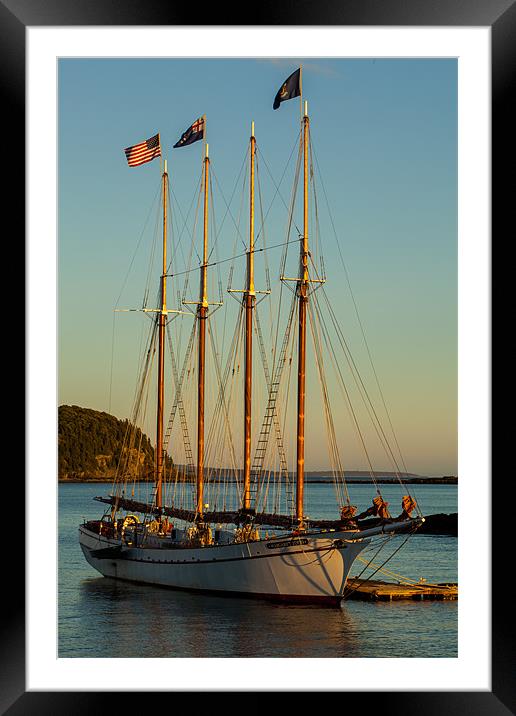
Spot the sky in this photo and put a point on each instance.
(384, 134)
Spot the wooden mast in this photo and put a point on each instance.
(161, 352)
(303, 300)
(249, 302)
(202, 311)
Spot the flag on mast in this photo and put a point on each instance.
(143, 152)
(192, 134)
(289, 89)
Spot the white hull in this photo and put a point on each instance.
(309, 567)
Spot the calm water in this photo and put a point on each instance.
(102, 617)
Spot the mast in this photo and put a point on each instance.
(249, 302)
(202, 312)
(303, 300)
(161, 351)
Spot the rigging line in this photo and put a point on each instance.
(158, 191)
(218, 484)
(271, 416)
(231, 348)
(400, 578)
(214, 423)
(352, 412)
(176, 244)
(296, 144)
(227, 387)
(333, 357)
(288, 347)
(318, 244)
(268, 385)
(151, 261)
(223, 405)
(339, 479)
(215, 242)
(366, 343)
(192, 246)
(118, 487)
(200, 198)
(384, 541)
(225, 323)
(238, 235)
(270, 410)
(214, 235)
(333, 448)
(228, 210)
(231, 258)
(177, 203)
(267, 275)
(145, 403)
(197, 212)
(178, 329)
(359, 383)
(178, 404)
(274, 334)
(365, 396)
(346, 593)
(277, 323)
(187, 357)
(144, 370)
(188, 372)
(244, 195)
(289, 492)
(291, 214)
(112, 362)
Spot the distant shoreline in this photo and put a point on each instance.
(349, 481)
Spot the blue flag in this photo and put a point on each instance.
(192, 134)
(289, 89)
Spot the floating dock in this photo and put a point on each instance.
(372, 590)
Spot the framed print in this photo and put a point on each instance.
(36, 43)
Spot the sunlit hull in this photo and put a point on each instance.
(307, 568)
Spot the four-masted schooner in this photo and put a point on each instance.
(297, 559)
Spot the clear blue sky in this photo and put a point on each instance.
(385, 136)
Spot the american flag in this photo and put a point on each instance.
(144, 152)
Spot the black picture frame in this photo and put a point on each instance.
(500, 16)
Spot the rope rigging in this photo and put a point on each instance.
(272, 483)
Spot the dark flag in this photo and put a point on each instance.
(192, 134)
(143, 152)
(289, 89)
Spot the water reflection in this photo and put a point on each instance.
(137, 621)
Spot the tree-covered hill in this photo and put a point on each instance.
(91, 443)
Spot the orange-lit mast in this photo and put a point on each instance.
(249, 302)
(161, 351)
(202, 311)
(302, 291)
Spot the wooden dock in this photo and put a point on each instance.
(372, 590)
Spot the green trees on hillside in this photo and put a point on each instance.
(91, 443)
